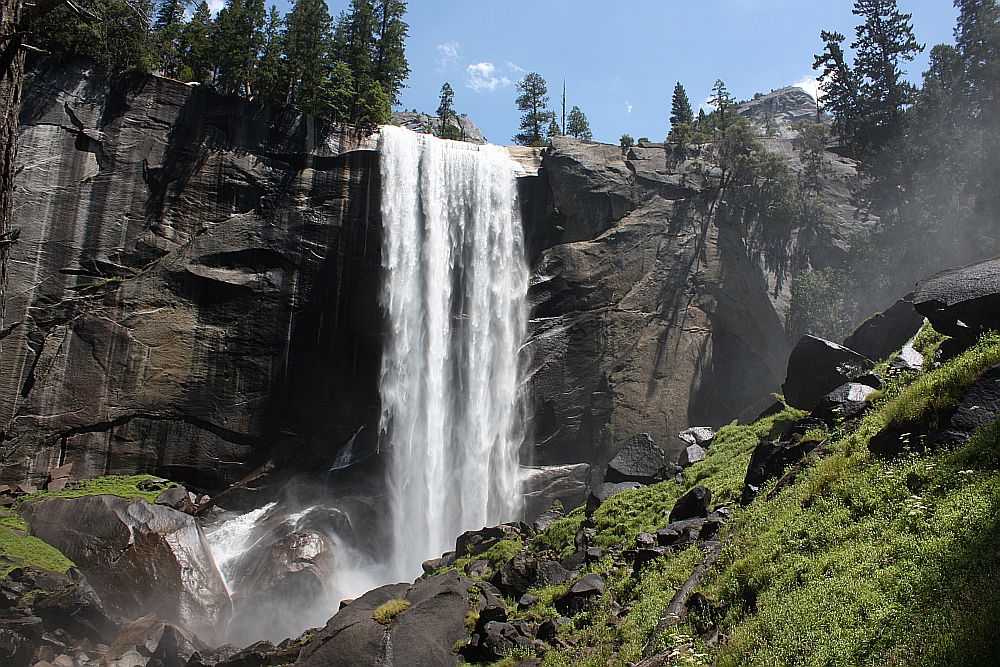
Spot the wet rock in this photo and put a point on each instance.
(178, 498)
(140, 558)
(693, 504)
(262, 654)
(154, 642)
(606, 490)
(522, 572)
(542, 486)
(580, 595)
(816, 367)
(884, 333)
(962, 302)
(423, 634)
(844, 402)
(640, 460)
(692, 454)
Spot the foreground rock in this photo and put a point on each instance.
(769, 459)
(844, 402)
(140, 558)
(962, 302)
(153, 642)
(816, 367)
(640, 460)
(884, 333)
(424, 633)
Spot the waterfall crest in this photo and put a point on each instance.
(454, 295)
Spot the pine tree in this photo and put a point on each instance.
(307, 43)
(883, 43)
(626, 141)
(839, 85)
(577, 125)
(553, 129)
(118, 39)
(196, 46)
(167, 30)
(270, 76)
(355, 46)
(680, 107)
(533, 101)
(722, 100)
(977, 36)
(446, 114)
(238, 38)
(391, 67)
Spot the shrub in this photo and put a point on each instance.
(390, 610)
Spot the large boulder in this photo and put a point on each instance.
(522, 572)
(816, 367)
(605, 491)
(543, 485)
(884, 333)
(152, 642)
(140, 558)
(640, 460)
(694, 504)
(845, 402)
(962, 302)
(423, 633)
(581, 595)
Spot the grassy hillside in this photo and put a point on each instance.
(860, 561)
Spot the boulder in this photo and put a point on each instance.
(962, 302)
(692, 454)
(580, 595)
(140, 558)
(541, 486)
(845, 402)
(494, 640)
(884, 333)
(424, 634)
(816, 367)
(548, 630)
(522, 572)
(908, 359)
(693, 504)
(698, 435)
(606, 490)
(640, 460)
(154, 642)
(770, 458)
(548, 517)
(178, 498)
(434, 564)
(475, 542)
(477, 568)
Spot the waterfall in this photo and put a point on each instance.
(454, 295)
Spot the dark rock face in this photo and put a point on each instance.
(844, 402)
(962, 302)
(640, 460)
(522, 572)
(979, 407)
(884, 333)
(199, 282)
(817, 367)
(650, 296)
(424, 634)
(692, 505)
(140, 558)
(541, 486)
(769, 459)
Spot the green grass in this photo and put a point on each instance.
(124, 486)
(390, 610)
(860, 561)
(18, 550)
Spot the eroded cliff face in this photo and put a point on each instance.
(195, 283)
(659, 306)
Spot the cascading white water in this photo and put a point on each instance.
(454, 292)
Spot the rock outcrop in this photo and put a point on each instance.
(140, 558)
(427, 124)
(194, 283)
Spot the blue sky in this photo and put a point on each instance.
(621, 59)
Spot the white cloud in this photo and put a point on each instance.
(516, 69)
(447, 55)
(485, 77)
(628, 106)
(810, 85)
(215, 5)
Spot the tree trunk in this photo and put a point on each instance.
(11, 75)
